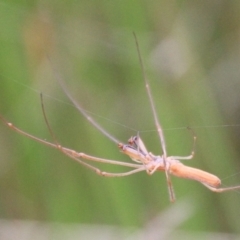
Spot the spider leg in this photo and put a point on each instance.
(157, 124)
(76, 155)
(219, 190)
(192, 152)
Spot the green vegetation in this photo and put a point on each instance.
(191, 54)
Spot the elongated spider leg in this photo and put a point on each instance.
(219, 190)
(193, 149)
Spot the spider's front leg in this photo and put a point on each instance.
(78, 156)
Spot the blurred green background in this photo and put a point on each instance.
(191, 54)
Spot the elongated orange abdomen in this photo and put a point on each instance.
(180, 170)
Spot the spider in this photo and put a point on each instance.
(135, 149)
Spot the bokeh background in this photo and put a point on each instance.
(191, 54)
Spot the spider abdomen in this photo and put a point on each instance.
(180, 170)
